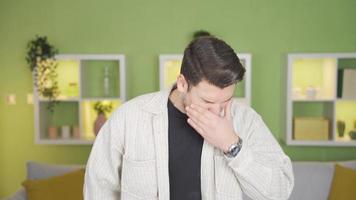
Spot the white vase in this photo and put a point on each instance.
(310, 92)
(65, 132)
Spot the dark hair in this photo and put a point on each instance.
(211, 59)
(200, 33)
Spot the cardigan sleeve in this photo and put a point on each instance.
(261, 167)
(102, 175)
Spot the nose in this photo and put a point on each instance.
(216, 108)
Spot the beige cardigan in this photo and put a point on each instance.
(129, 159)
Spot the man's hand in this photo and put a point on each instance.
(217, 130)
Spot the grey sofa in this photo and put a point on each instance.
(312, 179)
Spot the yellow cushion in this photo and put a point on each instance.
(68, 186)
(343, 184)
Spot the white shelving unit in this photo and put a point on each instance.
(81, 83)
(169, 69)
(312, 91)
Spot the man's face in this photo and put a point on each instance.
(209, 96)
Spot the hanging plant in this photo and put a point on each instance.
(41, 58)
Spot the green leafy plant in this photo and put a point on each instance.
(103, 107)
(41, 58)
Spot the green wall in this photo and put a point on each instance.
(143, 29)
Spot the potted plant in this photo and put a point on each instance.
(102, 108)
(41, 58)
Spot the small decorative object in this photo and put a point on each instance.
(349, 82)
(76, 132)
(297, 93)
(65, 132)
(101, 108)
(340, 128)
(106, 81)
(352, 134)
(52, 132)
(317, 92)
(310, 92)
(72, 89)
(40, 57)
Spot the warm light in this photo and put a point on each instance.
(315, 74)
(171, 72)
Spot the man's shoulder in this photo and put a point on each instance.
(242, 111)
(239, 107)
(139, 101)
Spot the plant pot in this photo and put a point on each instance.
(76, 132)
(352, 134)
(52, 132)
(99, 122)
(340, 128)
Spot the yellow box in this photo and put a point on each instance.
(311, 128)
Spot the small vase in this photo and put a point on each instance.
(99, 122)
(310, 92)
(352, 134)
(76, 132)
(340, 128)
(52, 132)
(65, 132)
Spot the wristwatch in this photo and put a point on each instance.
(234, 149)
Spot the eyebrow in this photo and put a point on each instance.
(214, 102)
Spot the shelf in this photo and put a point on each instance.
(89, 115)
(314, 78)
(313, 99)
(100, 78)
(82, 80)
(345, 113)
(313, 109)
(346, 99)
(64, 114)
(315, 116)
(346, 79)
(61, 99)
(322, 143)
(68, 78)
(100, 99)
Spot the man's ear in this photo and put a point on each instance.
(182, 84)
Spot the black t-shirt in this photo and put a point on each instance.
(185, 146)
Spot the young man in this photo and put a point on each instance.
(192, 142)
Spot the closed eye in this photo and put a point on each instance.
(210, 102)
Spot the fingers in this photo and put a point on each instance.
(197, 116)
(195, 125)
(203, 111)
(228, 109)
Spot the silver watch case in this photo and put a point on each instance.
(234, 149)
